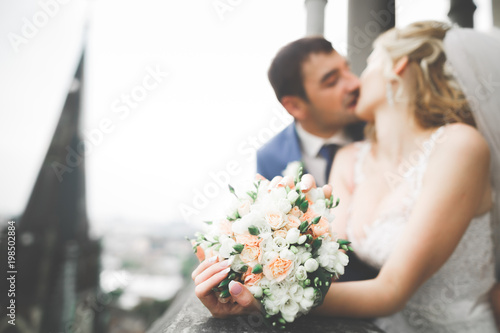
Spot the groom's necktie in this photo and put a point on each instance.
(328, 152)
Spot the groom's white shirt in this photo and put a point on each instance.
(311, 144)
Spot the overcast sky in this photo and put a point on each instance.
(201, 104)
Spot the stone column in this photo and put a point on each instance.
(462, 12)
(315, 17)
(367, 19)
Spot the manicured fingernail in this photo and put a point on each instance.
(225, 263)
(225, 271)
(212, 259)
(235, 288)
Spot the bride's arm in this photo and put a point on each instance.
(451, 194)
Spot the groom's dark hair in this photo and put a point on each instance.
(285, 72)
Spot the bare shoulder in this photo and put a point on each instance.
(463, 141)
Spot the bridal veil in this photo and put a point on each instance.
(475, 61)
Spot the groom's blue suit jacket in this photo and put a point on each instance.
(275, 155)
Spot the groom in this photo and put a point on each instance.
(314, 84)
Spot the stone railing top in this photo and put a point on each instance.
(187, 314)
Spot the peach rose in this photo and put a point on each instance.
(252, 279)
(275, 220)
(278, 269)
(250, 253)
(248, 240)
(321, 228)
(225, 227)
(280, 233)
(293, 221)
(308, 215)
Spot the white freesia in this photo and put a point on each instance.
(292, 236)
(278, 193)
(316, 194)
(279, 244)
(232, 210)
(302, 239)
(309, 293)
(244, 207)
(306, 304)
(301, 273)
(279, 291)
(271, 306)
(320, 207)
(226, 247)
(311, 265)
(331, 259)
(296, 292)
(292, 169)
(292, 196)
(284, 205)
(289, 310)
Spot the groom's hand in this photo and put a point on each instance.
(208, 275)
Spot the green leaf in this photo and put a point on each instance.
(317, 243)
(303, 226)
(304, 206)
(343, 241)
(224, 283)
(336, 203)
(208, 222)
(253, 230)
(316, 220)
(225, 293)
(238, 247)
(231, 189)
(257, 269)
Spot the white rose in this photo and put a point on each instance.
(276, 220)
(289, 310)
(301, 273)
(279, 292)
(239, 226)
(287, 254)
(293, 235)
(244, 207)
(226, 247)
(311, 265)
(269, 256)
(256, 291)
(292, 196)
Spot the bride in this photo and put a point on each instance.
(416, 196)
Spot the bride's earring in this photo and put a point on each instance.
(389, 93)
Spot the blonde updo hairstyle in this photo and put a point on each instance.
(434, 95)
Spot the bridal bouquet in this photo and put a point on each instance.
(279, 241)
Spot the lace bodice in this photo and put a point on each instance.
(454, 299)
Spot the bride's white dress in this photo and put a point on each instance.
(454, 299)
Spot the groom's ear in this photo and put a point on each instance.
(295, 106)
(400, 65)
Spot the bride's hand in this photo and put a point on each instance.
(208, 275)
